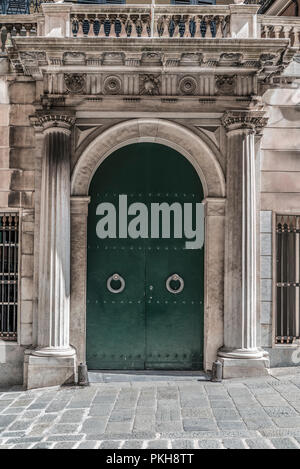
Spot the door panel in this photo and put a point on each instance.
(174, 327)
(144, 326)
(116, 321)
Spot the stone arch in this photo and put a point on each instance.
(207, 166)
(161, 131)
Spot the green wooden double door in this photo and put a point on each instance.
(144, 294)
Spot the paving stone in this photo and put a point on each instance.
(258, 443)
(72, 416)
(61, 428)
(133, 444)
(157, 444)
(182, 444)
(284, 443)
(232, 443)
(43, 445)
(88, 445)
(209, 444)
(119, 427)
(6, 420)
(22, 446)
(64, 445)
(98, 410)
(280, 411)
(287, 422)
(172, 426)
(226, 414)
(20, 425)
(94, 425)
(74, 437)
(121, 416)
(198, 424)
(13, 410)
(110, 444)
(221, 404)
(234, 425)
(25, 439)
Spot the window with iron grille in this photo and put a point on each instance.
(9, 243)
(288, 279)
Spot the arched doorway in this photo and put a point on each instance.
(144, 318)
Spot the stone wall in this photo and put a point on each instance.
(280, 193)
(17, 195)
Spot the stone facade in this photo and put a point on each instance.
(228, 103)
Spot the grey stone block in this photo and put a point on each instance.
(280, 411)
(190, 425)
(266, 267)
(266, 312)
(43, 445)
(119, 427)
(284, 443)
(183, 444)
(94, 425)
(233, 443)
(72, 416)
(110, 444)
(234, 425)
(266, 290)
(258, 443)
(99, 410)
(157, 444)
(61, 428)
(266, 244)
(266, 221)
(20, 425)
(87, 445)
(133, 444)
(65, 445)
(226, 414)
(209, 444)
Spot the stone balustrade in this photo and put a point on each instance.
(19, 25)
(161, 21)
(145, 21)
(280, 27)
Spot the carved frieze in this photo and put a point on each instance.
(150, 85)
(75, 82)
(225, 85)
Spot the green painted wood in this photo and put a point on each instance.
(145, 326)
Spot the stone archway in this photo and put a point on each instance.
(212, 178)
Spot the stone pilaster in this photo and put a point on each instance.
(53, 361)
(240, 354)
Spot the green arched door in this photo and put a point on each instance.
(150, 323)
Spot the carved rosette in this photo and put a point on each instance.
(254, 121)
(112, 85)
(188, 85)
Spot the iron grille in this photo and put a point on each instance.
(9, 244)
(288, 279)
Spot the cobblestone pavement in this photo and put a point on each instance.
(178, 413)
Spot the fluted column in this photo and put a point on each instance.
(54, 252)
(240, 238)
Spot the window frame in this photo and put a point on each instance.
(16, 340)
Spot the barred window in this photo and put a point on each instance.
(287, 278)
(9, 243)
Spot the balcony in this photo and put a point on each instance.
(72, 20)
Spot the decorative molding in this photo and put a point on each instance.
(112, 85)
(226, 85)
(150, 85)
(188, 85)
(75, 82)
(251, 120)
(52, 122)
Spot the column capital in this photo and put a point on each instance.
(54, 121)
(251, 121)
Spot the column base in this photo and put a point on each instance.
(245, 367)
(243, 363)
(49, 370)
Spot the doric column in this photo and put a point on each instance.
(53, 356)
(240, 353)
